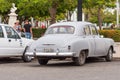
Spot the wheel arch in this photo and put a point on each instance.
(86, 51)
(112, 48)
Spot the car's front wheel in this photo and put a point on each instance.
(80, 60)
(109, 56)
(42, 61)
(25, 57)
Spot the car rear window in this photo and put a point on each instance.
(60, 30)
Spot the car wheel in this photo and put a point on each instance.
(26, 58)
(109, 56)
(43, 61)
(79, 61)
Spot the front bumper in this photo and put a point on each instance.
(64, 54)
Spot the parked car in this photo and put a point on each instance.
(76, 40)
(12, 44)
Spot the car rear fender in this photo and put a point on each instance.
(79, 46)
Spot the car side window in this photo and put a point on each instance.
(87, 30)
(11, 33)
(1, 32)
(94, 30)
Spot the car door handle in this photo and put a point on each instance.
(9, 40)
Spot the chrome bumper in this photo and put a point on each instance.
(70, 54)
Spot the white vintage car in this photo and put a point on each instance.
(76, 40)
(12, 44)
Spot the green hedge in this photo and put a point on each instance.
(38, 32)
(114, 34)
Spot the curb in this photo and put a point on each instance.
(116, 58)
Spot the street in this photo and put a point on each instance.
(16, 69)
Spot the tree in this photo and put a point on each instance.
(47, 9)
(99, 6)
(4, 9)
(33, 8)
(109, 17)
(61, 6)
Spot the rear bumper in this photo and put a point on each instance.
(64, 54)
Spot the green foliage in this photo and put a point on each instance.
(114, 34)
(4, 6)
(89, 4)
(60, 7)
(109, 17)
(41, 8)
(38, 32)
(99, 6)
(33, 8)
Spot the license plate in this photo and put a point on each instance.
(48, 50)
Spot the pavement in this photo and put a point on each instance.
(117, 49)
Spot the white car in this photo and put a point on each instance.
(12, 44)
(76, 40)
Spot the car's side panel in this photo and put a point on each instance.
(78, 45)
(91, 47)
(100, 46)
(108, 43)
(10, 46)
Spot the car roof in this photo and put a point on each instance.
(78, 23)
(79, 26)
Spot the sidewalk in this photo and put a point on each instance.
(117, 49)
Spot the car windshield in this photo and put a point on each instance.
(60, 30)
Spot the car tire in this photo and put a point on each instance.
(109, 56)
(26, 58)
(43, 61)
(79, 61)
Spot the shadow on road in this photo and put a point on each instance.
(10, 60)
(55, 63)
(68, 63)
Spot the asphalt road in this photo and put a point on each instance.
(16, 69)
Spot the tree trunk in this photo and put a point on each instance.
(86, 17)
(5, 19)
(69, 14)
(52, 12)
(99, 18)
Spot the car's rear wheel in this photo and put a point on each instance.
(42, 61)
(109, 56)
(80, 60)
(25, 57)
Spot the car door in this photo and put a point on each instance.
(2, 42)
(99, 42)
(89, 38)
(13, 43)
